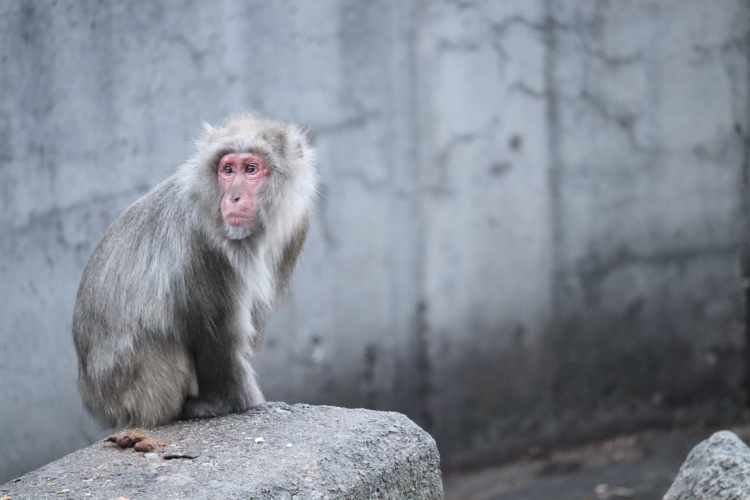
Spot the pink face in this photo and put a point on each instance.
(240, 174)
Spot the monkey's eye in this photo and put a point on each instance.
(228, 169)
(251, 168)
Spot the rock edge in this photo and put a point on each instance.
(275, 451)
(716, 469)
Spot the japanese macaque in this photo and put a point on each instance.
(173, 302)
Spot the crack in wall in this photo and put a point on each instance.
(595, 268)
(611, 60)
(527, 90)
(358, 121)
(196, 55)
(624, 120)
(37, 220)
(556, 164)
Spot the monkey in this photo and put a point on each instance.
(173, 302)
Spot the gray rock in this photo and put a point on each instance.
(716, 469)
(275, 451)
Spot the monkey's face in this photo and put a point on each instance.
(240, 175)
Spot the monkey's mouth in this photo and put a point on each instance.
(238, 220)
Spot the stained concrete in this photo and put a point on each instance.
(531, 221)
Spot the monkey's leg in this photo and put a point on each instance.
(150, 392)
(226, 384)
(165, 381)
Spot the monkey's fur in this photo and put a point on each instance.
(172, 305)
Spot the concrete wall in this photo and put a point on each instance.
(531, 223)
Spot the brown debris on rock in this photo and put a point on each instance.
(140, 441)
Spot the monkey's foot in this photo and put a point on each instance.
(204, 408)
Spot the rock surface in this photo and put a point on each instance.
(716, 469)
(275, 451)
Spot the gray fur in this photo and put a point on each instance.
(172, 304)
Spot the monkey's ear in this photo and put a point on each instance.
(298, 143)
(297, 149)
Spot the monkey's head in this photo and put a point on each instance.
(254, 175)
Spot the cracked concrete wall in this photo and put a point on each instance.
(596, 245)
(530, 225)
(651, 118)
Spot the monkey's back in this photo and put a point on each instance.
(126, 307)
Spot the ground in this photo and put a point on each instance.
(637, 467)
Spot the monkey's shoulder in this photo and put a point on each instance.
(156, 228)
(162, 212)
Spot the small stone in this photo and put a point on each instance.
(259, 440)
(152, 455)
(181, 454)
(623, 492)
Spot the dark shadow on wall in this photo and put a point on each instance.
(619, 363)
